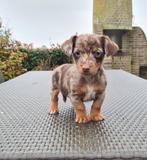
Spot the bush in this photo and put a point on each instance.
(57, 57)
(12, 66)
(34, 58)
(11, 57)
(45, 59)
(17, 58)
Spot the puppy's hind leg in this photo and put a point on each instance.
(53, 109)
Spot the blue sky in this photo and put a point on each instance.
(52, 21)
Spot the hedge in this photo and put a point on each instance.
(17, 58)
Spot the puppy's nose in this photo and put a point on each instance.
(85, 68)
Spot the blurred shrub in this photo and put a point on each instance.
(34, 58)
(57, 57)
(12, 66)
(11, 57)
(45, 59)
(17, 58)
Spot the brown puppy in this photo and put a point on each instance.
(85, 79)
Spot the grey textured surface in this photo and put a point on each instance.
(27, 132)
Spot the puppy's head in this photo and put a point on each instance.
(88, 51)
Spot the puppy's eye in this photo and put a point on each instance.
(77, 54)
(98, 54)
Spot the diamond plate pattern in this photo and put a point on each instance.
(27, 132)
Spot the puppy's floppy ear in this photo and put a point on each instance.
(109, 46)
(69, 45)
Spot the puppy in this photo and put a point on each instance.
(85, 79)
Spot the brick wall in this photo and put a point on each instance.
(135, 44)
(112, 14)
(108, 62)
(122, 62)
(117, 14)
(118, 62)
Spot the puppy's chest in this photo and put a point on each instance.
(90, 93)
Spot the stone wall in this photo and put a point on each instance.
(122, 62)
(117, 14)
(112, 14)
(134, 45)
(118, 62)
(108, 62)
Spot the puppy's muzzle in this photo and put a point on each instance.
(85, 68)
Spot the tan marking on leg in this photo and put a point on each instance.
(81, 116)
(53, 109)
(95, 113)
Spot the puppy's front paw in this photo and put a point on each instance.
(82, 118)
(53, 110)
(96, 117)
